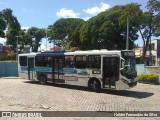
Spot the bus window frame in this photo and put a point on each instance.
(99, 67)
(46, 61)
(20, 61)
(69, 63)
(81, 64)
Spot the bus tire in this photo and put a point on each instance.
(43, 80)
(94, 86)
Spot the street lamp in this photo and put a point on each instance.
(17, 49)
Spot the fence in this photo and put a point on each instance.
(8, 69)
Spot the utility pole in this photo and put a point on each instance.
(17, 49)
(46, 39)
(127, 39)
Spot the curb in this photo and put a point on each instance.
(10, 77)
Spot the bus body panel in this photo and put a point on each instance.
(108, 73)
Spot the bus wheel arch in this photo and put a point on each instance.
(94, 84)
(42, 79)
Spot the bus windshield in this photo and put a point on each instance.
(129, 70)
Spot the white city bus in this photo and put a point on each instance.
(96, 69)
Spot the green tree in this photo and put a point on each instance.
(74, 39)
(2, 26)
(134, 14)
(107, 30)
(157, 32)
(24, 39)
(33, 37)
(87, 34)
(62, 29)
(13, 27)
(149, 23)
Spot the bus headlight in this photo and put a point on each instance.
(96, 72)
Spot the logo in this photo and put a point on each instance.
(6, 114)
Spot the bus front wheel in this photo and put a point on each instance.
(43, 80)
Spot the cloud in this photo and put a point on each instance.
(3, 3)
(66, 13)
(24, 28)
(2, 40)
(42, 48)
(86, 18)
(97, 9)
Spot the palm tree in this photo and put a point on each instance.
(10, 53)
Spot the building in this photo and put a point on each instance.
(152, 56)
(3, 52)
(138, 54)
(155, 52)
(57, 48)
(1, 48)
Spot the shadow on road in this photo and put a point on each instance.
(126, 93)
(129, 93)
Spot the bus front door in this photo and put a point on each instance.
(31, 68)
(110, 71)
(57, 70)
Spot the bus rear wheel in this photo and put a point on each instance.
(94, 86)
(43, 80)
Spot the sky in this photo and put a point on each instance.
(42, 13)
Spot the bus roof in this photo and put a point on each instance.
(61, 53)
(56, 51)
(93, 52)
(51, 54)
(43, 54)
(28, 54)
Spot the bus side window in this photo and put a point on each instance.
(58, 63)
(38, 61)
(49, 61)
(41, 61)
(80, 61)
(61, 63)
(69, 61)
(94, 61)
(23, 60)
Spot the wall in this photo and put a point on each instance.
(154, 69)
(141, 69)
(8, 69)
